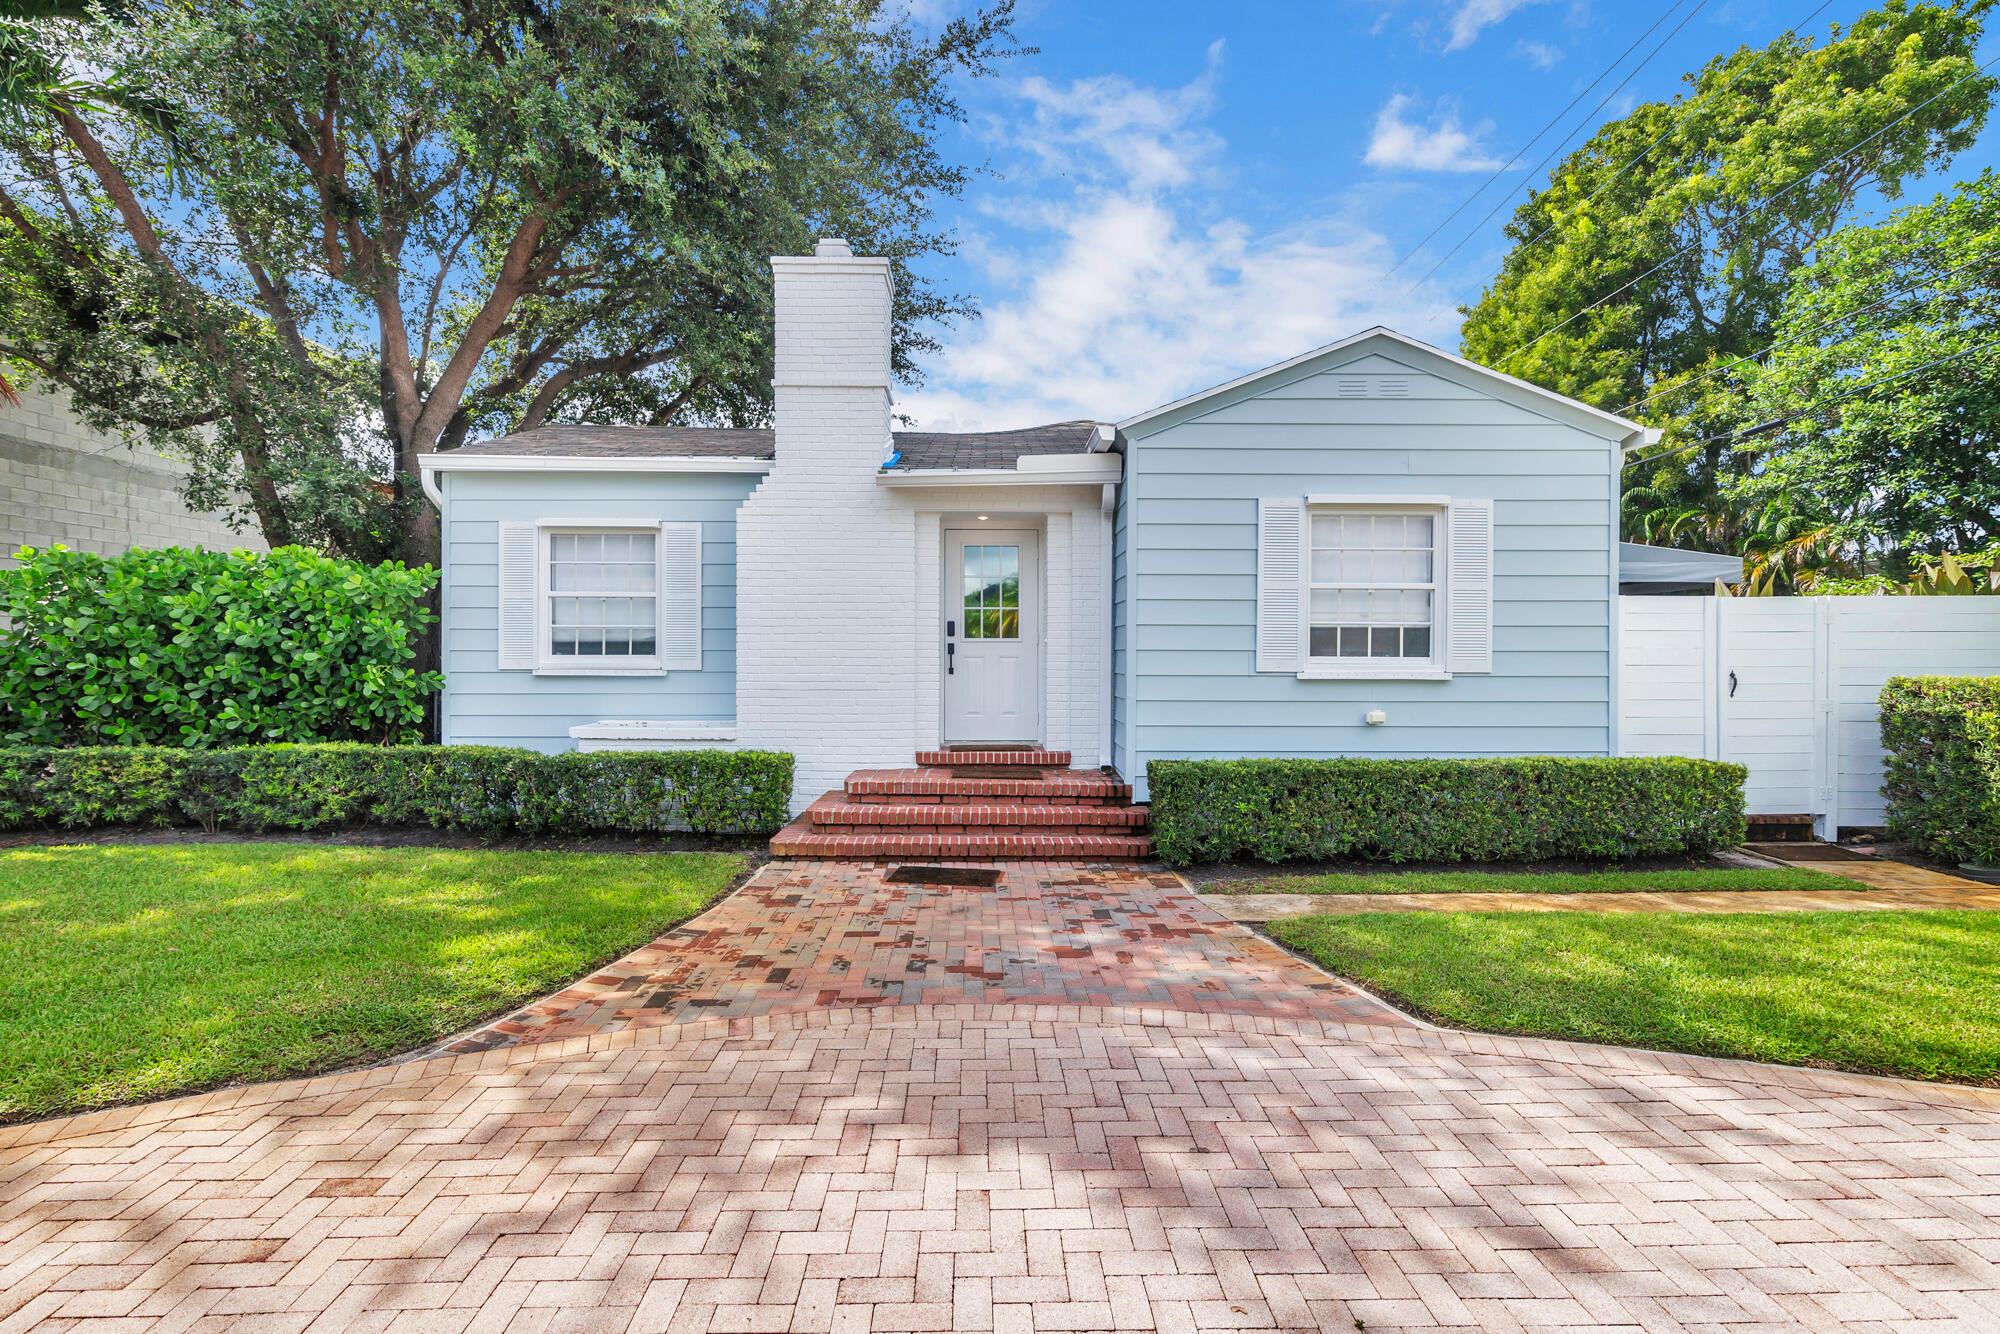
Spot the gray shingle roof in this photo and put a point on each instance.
(633, 442)
(917, 449)
(991, 449)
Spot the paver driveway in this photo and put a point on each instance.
(1014, 1161)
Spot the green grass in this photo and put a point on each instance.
(1902, 993)
(129, 973)
(1530, 882)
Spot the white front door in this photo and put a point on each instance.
(993, 625)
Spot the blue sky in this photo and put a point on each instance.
(1182, 192)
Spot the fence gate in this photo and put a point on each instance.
(1787, 687)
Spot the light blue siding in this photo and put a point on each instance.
(485, 705)
(1186, 683)
(1121, 711)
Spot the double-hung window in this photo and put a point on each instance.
(1358, 587)
(603, 602)
(1372, 587)
(582, 598)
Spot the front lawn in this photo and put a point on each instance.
(1901, 993)
(1530, 882)
(129, 973)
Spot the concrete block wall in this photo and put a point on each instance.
(824, 557)
(61, 482)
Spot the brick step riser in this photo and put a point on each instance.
(998, 847)
(983, 816)
(865, 798)
(974, 831)
(993, 759)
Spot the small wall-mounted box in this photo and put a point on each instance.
(1375, 717)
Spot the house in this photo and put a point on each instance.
(1376, 548)
(62, 482)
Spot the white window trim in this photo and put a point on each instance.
(548, 662)
(1435, 668)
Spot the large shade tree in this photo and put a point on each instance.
(1661, 251)
(381, 229)
(1882, 391)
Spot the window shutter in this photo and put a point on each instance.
(1281, 528)
(520, 557)
(1469, 636)
(680, 596)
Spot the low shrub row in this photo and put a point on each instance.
(1941, 780)
(1533, 808)
(487, 790)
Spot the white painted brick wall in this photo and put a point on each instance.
(838, 658)
(825, 560)
(62, 482)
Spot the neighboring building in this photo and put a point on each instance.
(1376, 530)
(61, 482)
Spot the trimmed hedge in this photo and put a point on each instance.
(1942, 776)
(203, 648)
(488, 790)
(1528, 809)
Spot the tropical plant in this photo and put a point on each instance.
(1879, 403)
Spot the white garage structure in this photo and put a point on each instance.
(1787, 687)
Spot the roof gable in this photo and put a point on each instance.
(1384, 351)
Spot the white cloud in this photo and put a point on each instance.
(1539, 54)
(1125, 282)
(1473, 17)
(1443, 145)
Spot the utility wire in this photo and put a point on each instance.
(1500, 171)
(1685, 117)
(1810, 408)
(1536, 170)
(1766, 204)
(1803, 334)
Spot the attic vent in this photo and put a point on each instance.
(1371, 386)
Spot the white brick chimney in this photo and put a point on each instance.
(825, 559)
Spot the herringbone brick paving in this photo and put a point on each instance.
(1011, 1165)
(802, 935)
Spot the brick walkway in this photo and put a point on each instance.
(1184, 1160)
(805, 935)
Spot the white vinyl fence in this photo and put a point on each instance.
(1787, 686)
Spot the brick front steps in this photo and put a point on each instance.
(983, 804)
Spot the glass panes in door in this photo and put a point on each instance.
(602, 598)
(992, 592)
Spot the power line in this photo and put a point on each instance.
(1766, 204)
(1804, 334)
(1536, 137)
(1687, 116)
(1535, 170)
(1810, 408)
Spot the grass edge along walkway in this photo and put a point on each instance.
(1719, 880)
(1908, 994)
(132, 973)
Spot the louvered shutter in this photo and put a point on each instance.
(520, 558)
(1469, 588)
(1281, 526)
(680, 596)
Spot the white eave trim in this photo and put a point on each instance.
(1028, 470)
(1627, 432)
(463, 461)
(430, 466)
